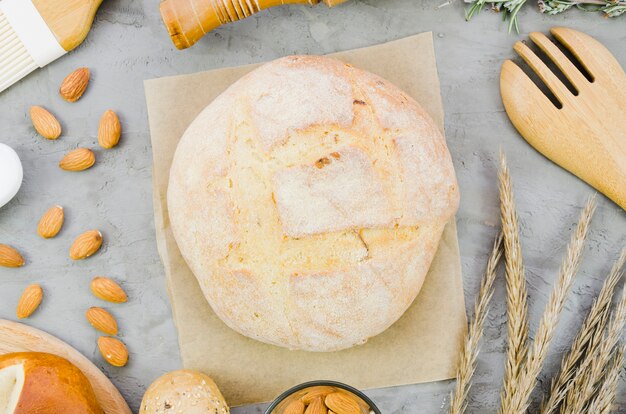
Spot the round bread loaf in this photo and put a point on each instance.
(309, 199)
(183, 391)
(39, 383)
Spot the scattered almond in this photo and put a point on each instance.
(294, 407)
(102, 320)
(317, 407)
(86, 244)
(9, 257)
(51, 222)
(106, 289)
(113, 350)
(109, 130)
(45, 123)
(78, 160)
(315, 392)
(342, 403)
(74, 84)
(29, 301)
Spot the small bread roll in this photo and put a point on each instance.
(183, 391)
(32, 382)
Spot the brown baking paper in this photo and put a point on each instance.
(422, 346)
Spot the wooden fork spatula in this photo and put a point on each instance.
(587, 135)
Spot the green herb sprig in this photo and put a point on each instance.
(510, 8)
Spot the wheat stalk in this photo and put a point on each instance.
(595, 321)
(470, 349)
(591, 371)
(516, 292)
(603, 401)
(539, 349)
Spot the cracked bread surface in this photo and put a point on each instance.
(309, 199)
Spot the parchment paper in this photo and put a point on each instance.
(422, 346)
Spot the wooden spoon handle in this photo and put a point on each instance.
(188, 20)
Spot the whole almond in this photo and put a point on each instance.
(86, 244)
(342, 403)
(106, 289)
(294, 407)
(51, 222)
(9, 257)
(316, 407)
(315, 392)
(78, 160)
(113, 350)
(74, 84)
(109, 130)
(102, 320)
(29, 301)
(45, 123)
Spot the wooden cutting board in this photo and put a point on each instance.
(17, 337)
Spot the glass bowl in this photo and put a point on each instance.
(314, 388)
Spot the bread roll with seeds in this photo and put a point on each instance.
(308, 200)
(183, 391)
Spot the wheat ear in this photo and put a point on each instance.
(516, 291)
(590, 374)
(603, 401)
(547, 325)
(470, 349)
(595, 321)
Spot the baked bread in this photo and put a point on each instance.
(40, 383)
(309, 199)
(183, 391)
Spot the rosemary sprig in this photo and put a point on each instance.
(511, 8)
(612, 8)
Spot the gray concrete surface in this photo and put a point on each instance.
(129, 44)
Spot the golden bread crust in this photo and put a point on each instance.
(52, 385)
(308, 199)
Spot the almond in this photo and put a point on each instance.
(294, 407)
(342, 403)
(51, 222)
(9, 257)
(45, 123)
(315, 392)
(74, 84)
(102, 320)
(109, 130)
(78, 160)
(316, 407)
(106, 289)
(86, 244)
(29, 302)
(113, 350)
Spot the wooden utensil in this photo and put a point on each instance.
(188, 20)
(587, 135)
(17, 337)
(33, 33)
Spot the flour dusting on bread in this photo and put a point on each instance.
(309, 200)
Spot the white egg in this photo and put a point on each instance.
(11, 173)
